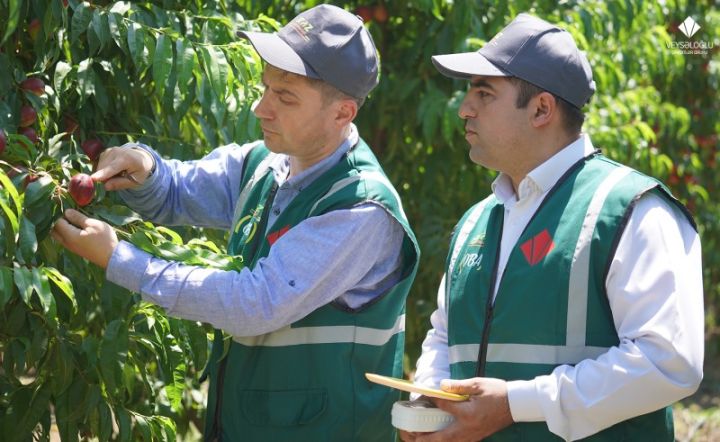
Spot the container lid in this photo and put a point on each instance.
(419, 416)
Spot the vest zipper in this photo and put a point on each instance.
(248, 250)
(489, 307)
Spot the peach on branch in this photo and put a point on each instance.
(82, 189)
(27, 115)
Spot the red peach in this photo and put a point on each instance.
(92, 148)
(30, 133)
(27, 115)
(34, 85)
(82, 189)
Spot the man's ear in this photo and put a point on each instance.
(545, 109)
(347, 110)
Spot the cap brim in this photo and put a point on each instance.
(276, 52)
(465, 65)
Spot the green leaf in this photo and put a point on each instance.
(144, 427)
(199, 344)
(216, 69)
(105, 422)
(136, 44)
(63, 368)
(176, 384)
(185, 62)
(24, 283)
(81, 19)
(27, 242)
(41, 283)
(8, 187)
(122, 417)
(174, 237)
(28, 405)
(115, 28)
(39, 191)
(162, 62)
(86, 78)
(6, 285)
(13, 18)
(61, 282)
(62, 69)
(10, 215)
(117, 215)
(100, 27)
(120, 8)
(113, 353)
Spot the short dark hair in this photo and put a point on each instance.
(330, 92)
(573, 118)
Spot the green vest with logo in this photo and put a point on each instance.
(551, 306)
(306, 381)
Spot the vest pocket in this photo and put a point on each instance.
(286, 408)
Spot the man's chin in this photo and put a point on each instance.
(271, 145)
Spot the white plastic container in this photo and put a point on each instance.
(419, 416)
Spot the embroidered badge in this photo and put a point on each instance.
(249, 224)
(477, 241)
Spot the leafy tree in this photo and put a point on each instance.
(75, 349)
(88, 355)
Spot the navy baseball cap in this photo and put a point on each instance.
(533, 50)
(324, 42)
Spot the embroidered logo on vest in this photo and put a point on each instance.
(248, 224)
(274, 236)
(477, 241)
(537, 247)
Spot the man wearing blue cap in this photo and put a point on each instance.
(572, 302)
(330, 256)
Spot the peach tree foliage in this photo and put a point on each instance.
(76, 351)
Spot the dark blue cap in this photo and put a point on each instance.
(324, 42)
(533, 50)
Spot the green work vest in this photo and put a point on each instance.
(551, 307)
(306, 381)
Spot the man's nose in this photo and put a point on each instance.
(466, 111)
(262, 110)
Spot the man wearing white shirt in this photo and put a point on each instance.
(571, 305)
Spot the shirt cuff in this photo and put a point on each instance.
(524, 401)
(127, 266)
(153, 176)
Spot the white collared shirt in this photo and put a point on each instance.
(654, 287)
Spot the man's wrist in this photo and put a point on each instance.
(148, 153)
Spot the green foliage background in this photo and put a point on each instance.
(87, 356)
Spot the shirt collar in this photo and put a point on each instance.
(281, 164)
(546, 175)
